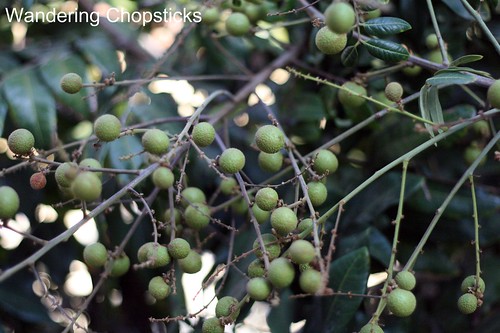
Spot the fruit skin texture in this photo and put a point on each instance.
(227, 306)
(163, 178)
(310, 281)
(260, 215)
(394, 91)
(71, 83)
(191, 264)
(304, 225)
(317, 193)
(431, 41)
(469, 282)
(401, 302)
(405, 280)
(283, 220)
(66, 173)
(154, 254)
(371, 328)
(107, 127)
(91, 163)
(228, 185)
(178, 248)
(210, 16)
(467, 303)
(212, 325)
(203, 134)
(197, 216)
(21, 141)
(325, 161)
(330, 42)
(269, 139)
(9, 202)
(301, 251)
(258, 288)
(493, 94)
(95, 255)
(232, 160)
(192, 195)
(256, 269)
(155, 141)
(281, 273)
(340, 17)
(237, 24)
(87, 186)
(120, 266)
(347, 99)
(158, 288)
(273, 248)
(266, 198)
(38, 181)
(270, 162)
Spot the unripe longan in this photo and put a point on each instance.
(283, 220)
(238, 24)
(228, 185)
(281, 273)
(258, 288)
(232, 160)
(212, 325)
(95, 255)
(310, 281)
(270, 162)
(493, 94)
(107, 127)
(405, 280)
(120, 265)
(92, 164)
(203, 134)
(87, 186)
(269, 139)
(467, 303)
(401, 302)
(154, 254)
(191, 263)
(71, 83)
(256, 269)
(348, 99)
(21, 141)
(325, 161)
(178, 248)
(301, 251)
(469, 283)
(158, 288)
(191, 195)
(260, 215)
(394, 91)
(271, 244)
(371, 328)
(197, 216)
(163, 178)
(155, 141)
(317, 193)
(266, 198)
(330, 42)
(66, 173)
(9, 202)
(340, 17)
(227, 306)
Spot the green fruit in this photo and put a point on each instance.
(240, 206)
(153, 255)
(256, 268)
(371, 14)
(66, 173)
(191, 195)
(269, 139)
(120, 266)
(158, 288)
(340, 17)
(348, 99)
(405, 280)
(471, 153)
(178, 248)
(260, 215)
(467, 303)
(227, 306)
(371, 328)
(431, 41)
(301, 251)
(469, 284)
(412, 70)
(253, 12)
(258, 288)
(493, 94)
(273, 247)
(317, 192)
(283, 220)
(107, 127)
(237, 24)
(38, 181)
(270, 162)
(401, 302)
(163, 178)
(325, 161)
(394, 91)
(168, 215)
(191, 264)
(232, 160)
(310, 281)
(266, 198)
(91, 164)
(381, 97)
(9, 202)
(210, 16)
(435, 56)
(21, 141)
(71, 83)
(212, 325)
(87, 186)
(203, 134)
(330, 42)
(281, 273)
(197, 216)
(95, 255)
(155, 141)
(228, 186)
(304, 225)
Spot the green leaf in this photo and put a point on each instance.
(120, 148)
(377, 243)
(466, 59)
(31, 105)
(307, 107)
(386, 50)
(21, 304)
(423, 103)
(385, 26)
(100, 52)
(463, 70)
(347, 274)
(349, 56)
(435, 109)
(3, 113)
(458, 8)
(449, 78)
(280, 317)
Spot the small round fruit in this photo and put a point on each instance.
(71, 83)
(240, 206)
(270, 162)
(469, 283)
(471, 153)
(325, 161)
(317, 192)
(431, 41)
(266, 198)
(467, 303)
(158, 288)
(212, 325)
(348, 99)
(401, 302)
(66, 173)
(21, 141)
(269, 139)
(155, 141)
(191, 195)
(304, 225)
(330, 42)
(120, 266)
(203, 134)
(281, 273)
(92, 164)
(371, 14)
(405, 280)
(310, 281)
(197, 216)
(258, 288)
(301, 251)
(178, 248)
(371, 328)
(154, 254)
(227, 306)
(38, 181)
(394, 91)
(191, 264)
(437, 57)
(493, 94)
(271, 244)
(168, 215)
(254, 12)
(163, 178)
(256, 269)
(95, 255)
(283, 220)
(228, 185)
(9, 202)
(238, 24)
(210, 16)
(232, 160)
(260, 215)
(340, 17)
(107, 127)
(412, 70)
(87, 186)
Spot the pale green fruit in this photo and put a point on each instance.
(304, 225)
(231, 161)
(107, 127)
(256, 269)
(191, 264)
(269, 139)
(197, 216)
(163, 178)
(283, 220)
(325, 161)
(394, 91)
(340, 17)
(258, 288)
(273, 247)
(281, 273)
(71, 83)
(91, 164)
(431, 41)
(87, 186)
(120, 266)
(155, 141)
(9, 202)
(210, 16)
(21, 141)
(212, 325)
(266, 198)
(228, 185)
(371, 328)
(401, 302)
(238, 24)
(260, 215)
(405, 280)
(270, 162)
(154, 254)
(227, 306)
(95, 255)
(178, 248)
(301, 251)
(330, 42)
(191, 195)
(469, 283)
(467, 303)
(66, 173)
(317, 193)
(493, 94)
(203, 134)
(310, 281)
(158, 288)
(349, 99)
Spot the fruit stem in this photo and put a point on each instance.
(482, 25)
(442, 47)
(476, 231)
